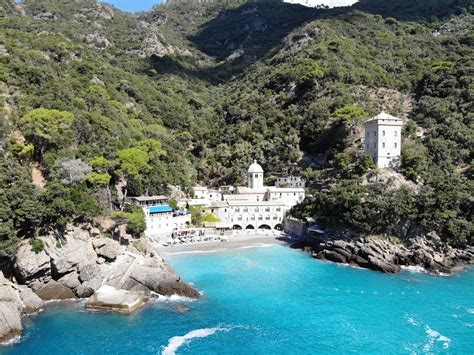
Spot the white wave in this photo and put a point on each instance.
(12, 341)
(176, 342)
(416, 269)
(257, 245)
(412, 321)
(433, 336)
(174, 298)
(470, 310)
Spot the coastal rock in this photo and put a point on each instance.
(163, 283)
(8, 295)
(76, 251)
(108, 298)
(14, 302)
(29, 265)
(31, 302)
(70, 280)
(382, 255)
(89, 272)
(107, 248)
(331, 256)
(10, 322)
(53, 290)
(382, 265)
(88, 288)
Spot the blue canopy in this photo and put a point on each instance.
(160, 209)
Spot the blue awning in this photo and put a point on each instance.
(160, 209)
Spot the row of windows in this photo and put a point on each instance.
(252, 218)
(383, 145)
(383, 133)
(256, 209)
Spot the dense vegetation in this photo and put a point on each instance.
(99, 104)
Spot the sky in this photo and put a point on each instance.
(133, 5)
(143, 5)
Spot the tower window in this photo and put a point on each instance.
(396, 133)
(383, 145)
(395, 145)
(383, 133)
(375, 145)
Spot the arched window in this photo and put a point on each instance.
(395, 145)
(383, 133)
(383, 145)
(396, 133)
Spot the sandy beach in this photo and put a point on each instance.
(254, 239)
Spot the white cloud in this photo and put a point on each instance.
(330, 3)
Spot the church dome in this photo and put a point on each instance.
(255, 168)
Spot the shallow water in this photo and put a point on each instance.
(274, 300)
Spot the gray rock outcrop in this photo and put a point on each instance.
(107, 248)
(15, 301)
(31, 266)
(53, 290)
(78, 265)
(70, 254)
(384, 256)
(10, 322)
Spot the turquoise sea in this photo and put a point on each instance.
(273, 300)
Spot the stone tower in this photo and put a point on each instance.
(383, 139)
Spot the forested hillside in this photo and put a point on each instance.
(98, 103)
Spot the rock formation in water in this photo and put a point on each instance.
(77, 265)
(382, 255)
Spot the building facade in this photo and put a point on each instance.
(161, 219)
(295, 182)
(383, 139)
(204, 193)
(256, 206)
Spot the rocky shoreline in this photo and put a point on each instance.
(378, 254)
(83, 264)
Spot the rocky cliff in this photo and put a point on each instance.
(76, 266)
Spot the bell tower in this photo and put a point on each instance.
(255, 176)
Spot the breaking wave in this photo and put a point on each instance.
(433, 336)
(176, 342)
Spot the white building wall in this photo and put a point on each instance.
(161, 224)
(255, 180)
(289, 197)
(383, 141)
(293, 182)
(207, 194)
(256, 216)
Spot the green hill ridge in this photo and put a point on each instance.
(98, 102)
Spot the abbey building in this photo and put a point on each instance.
(257, 206)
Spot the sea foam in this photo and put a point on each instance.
(176, 342)
(433, 336)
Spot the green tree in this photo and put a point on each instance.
(351, 115)
(133, 160)
(134, 218)
(47, 128)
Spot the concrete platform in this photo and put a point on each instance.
(108, 298)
